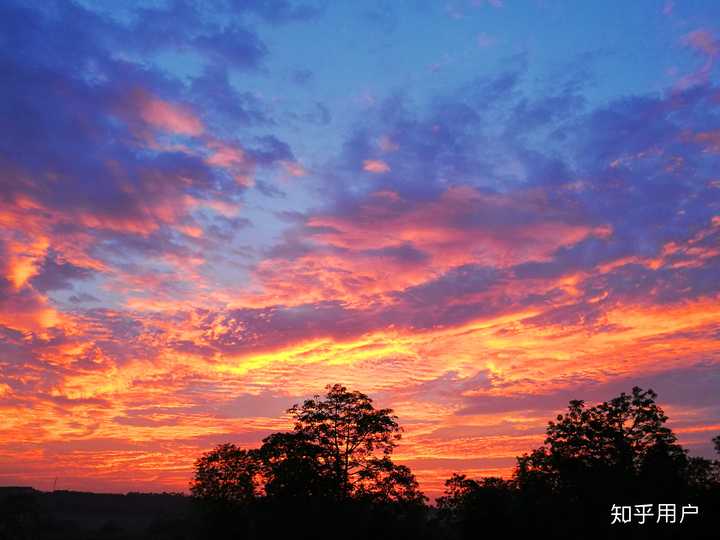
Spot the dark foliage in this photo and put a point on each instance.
(227, 474)
(332, 470)
(616, 453)
(340, 450)
(27, 514)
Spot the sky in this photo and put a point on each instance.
(473, 211)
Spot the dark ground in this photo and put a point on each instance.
(28, 514)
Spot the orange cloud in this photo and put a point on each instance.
(165, 398)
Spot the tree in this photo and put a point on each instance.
(293, 467)
(227, 474)
(349, 433)
(477, 505)
(610, 443)
(384, 482)
(339, 448)
(702, 474)
(459, 490)
(617, 452)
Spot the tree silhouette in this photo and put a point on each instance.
(608, 444)
(477, 505)
(349, 433)
(618, 452)
(333, 475)
(227, 474)
(340, 449)
(381, 481)
(292, 467)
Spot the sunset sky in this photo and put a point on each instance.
(473, 211)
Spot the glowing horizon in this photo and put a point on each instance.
(482, 211)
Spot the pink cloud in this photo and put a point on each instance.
(710, 139)
(702, 40)
(375, 166)
(233, 158)
(169, 117)
(294, 168)
(418, 241)
(707, 45)
(225, 155)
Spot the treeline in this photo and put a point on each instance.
(614, 470)
(599, 470)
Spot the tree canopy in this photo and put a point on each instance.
(617, 452)
(353, 439)
(612, 442)
(226, 474)
(340, 447)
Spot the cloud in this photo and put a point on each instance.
(343, 255)
(235, 46)
(168, 117)
(280, 11)
(375, 166)
(707, 46)
(680, 387)
(55, 274)
(702, 40)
